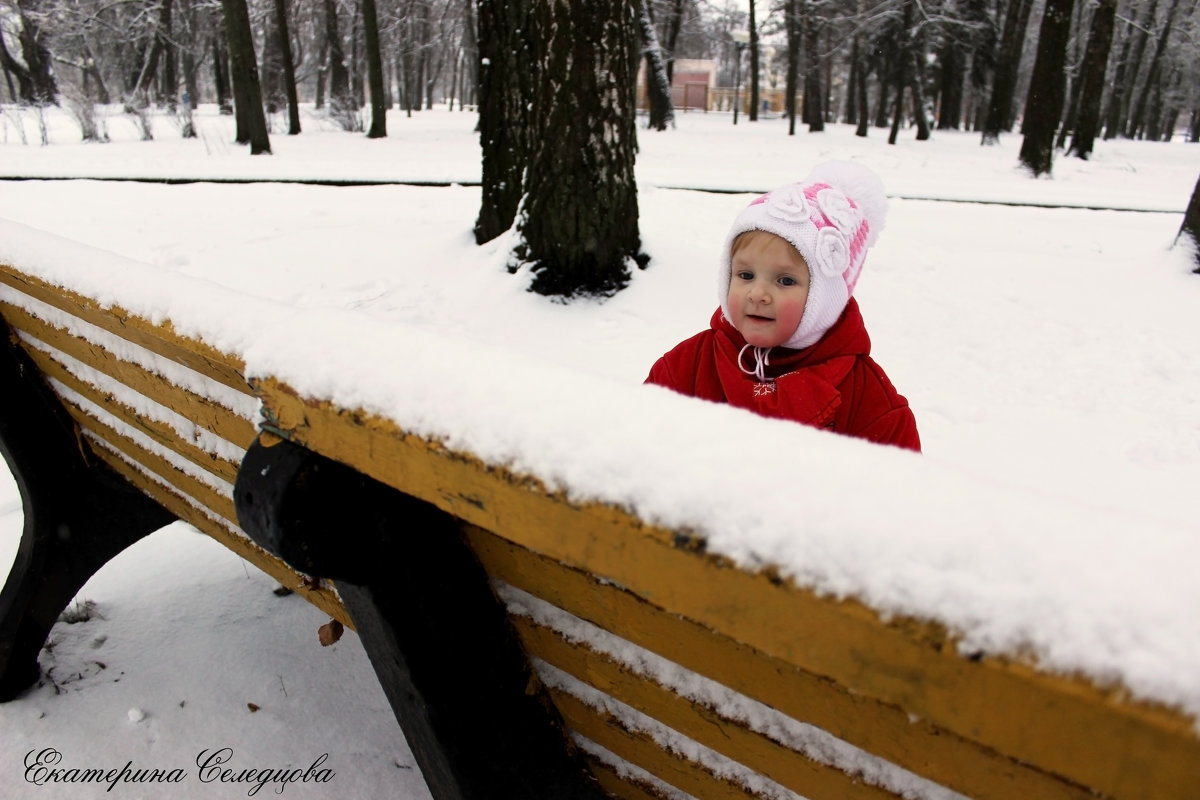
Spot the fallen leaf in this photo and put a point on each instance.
(330, 632)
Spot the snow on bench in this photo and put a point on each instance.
(826, 619)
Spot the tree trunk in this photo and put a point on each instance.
(505, 91)
(917, 86)
(1152, 74)
(1091, 84)
(34, 78)
(244, 71)
(169, 95)
(1139, 36)
(220, 77)
(1044, 104)
(470, 48)
(579, 221)
(162, 35)
(900, 76)
(1008, 60)
(374, 71)
(658, 88)
(674, 26)
(814, 114)
(341, 104)
(792, 81)
(861, 99)
(1191, 226)
(752, 116)
(951, 86)
(287, 66)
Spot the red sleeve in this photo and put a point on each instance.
(898, 427)
(660, 374)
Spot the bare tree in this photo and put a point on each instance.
(1044, 104)
(1095, 62)
(506, 63)
(658, 86)
(34, 78)
(578, 225)
(754, 67)
(288, 65)
(1008, 59)
(247, 93)
(378, 128)
(1190, 229)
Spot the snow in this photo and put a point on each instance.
(1047, 353)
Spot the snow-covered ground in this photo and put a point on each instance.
(1048, 353)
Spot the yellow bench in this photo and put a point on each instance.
(672, 670)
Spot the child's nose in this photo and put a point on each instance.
(759, 293)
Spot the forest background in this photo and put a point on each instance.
(960, 64)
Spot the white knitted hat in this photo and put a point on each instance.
(831, 217)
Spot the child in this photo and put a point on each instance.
(788, 340)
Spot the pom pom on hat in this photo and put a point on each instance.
(831, 217)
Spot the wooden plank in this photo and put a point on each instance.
(621, 786)
(639, 748)
(189, 485)
(161, 338)
(1063, 725)
(878, 728)
(207, 413)
(160, 432)
(730, 738)
(322, 596)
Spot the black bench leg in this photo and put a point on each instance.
(439, 640)
(78, 515)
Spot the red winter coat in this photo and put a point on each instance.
(834, 384)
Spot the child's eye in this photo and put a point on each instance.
(745, 275)
(787, 280)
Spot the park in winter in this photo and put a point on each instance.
(442, 244)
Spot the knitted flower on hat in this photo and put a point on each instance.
(831, 217)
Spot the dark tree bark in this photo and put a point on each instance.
(916, 85)
(579, 223)
(794, 39)
(860, 92)
(288, 66)
(92, 75)
(754, 66)
(1191, 225)
(1044, 104)
(1091, 84)
(220, 76)
(1139, 38)
(814, 112)
(251, 121)
(1004, 82)
(950, 85)
(505, 91)
(35, 81)
(658, 86)
(374, 71)
(673, 26)
(341, 103)
(1153, 73)
(900, 76)
(162, 36)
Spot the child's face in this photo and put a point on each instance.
(768, 288)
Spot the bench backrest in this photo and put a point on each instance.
(677, 673)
